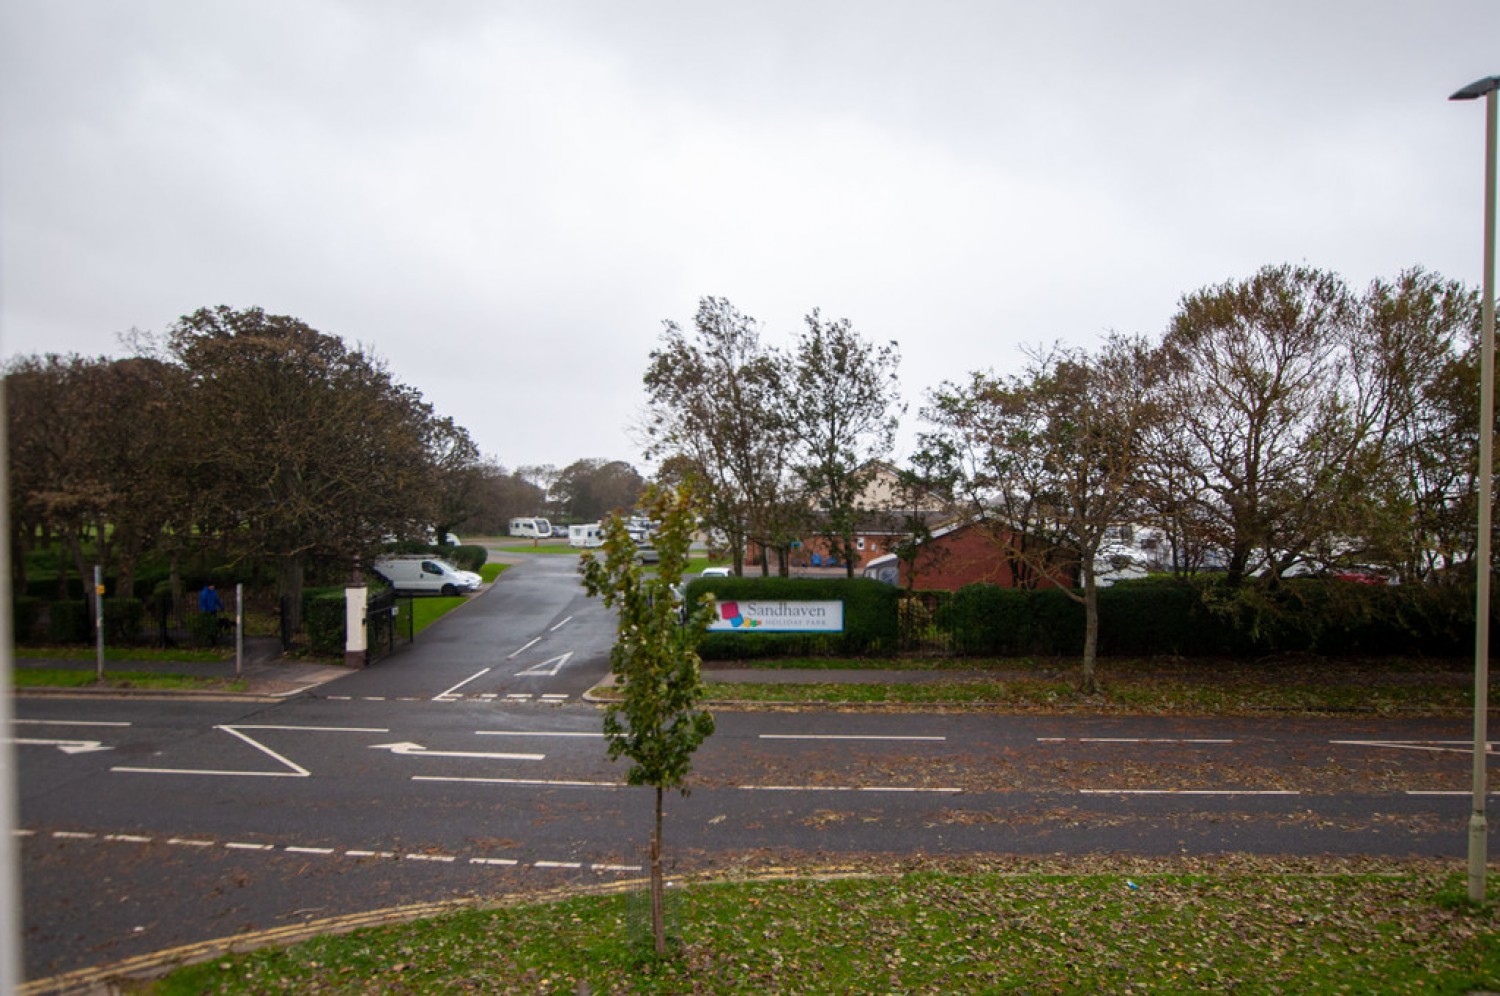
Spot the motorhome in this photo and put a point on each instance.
(531, 527)
(425, 574)
(590, 534)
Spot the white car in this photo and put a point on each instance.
(717, 572)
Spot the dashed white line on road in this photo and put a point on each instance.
(331, 852)
(560, 625)
(533, 782)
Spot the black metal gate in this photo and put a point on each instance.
(389, 623)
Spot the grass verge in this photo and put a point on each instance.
(1253, 930)
(1210, 687)
(87, 652)
(51, 677)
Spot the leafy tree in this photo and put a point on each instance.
(1061, 447)
(656, 723)
(845, 408)
(1261, 389)
(587, 490)
(298, 447)
(457, 475)
(715, 400)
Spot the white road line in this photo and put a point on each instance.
(1435, 746)
(527, 647)
(297, 771)
(67, 722)
(443, 695)
(436, 859)
(560, 625)
(848, 788)
(540, 782)
(839, 736)
(533, 733)
(519, 697)
(1128, 740)
(1188, 792)
(554, 696)
(1453, 792)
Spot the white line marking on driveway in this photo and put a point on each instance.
(527, 646)
(440, 696)
(1435, 746)
(547, 668)
(560, 625)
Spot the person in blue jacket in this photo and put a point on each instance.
(211, 605)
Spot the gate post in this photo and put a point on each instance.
(356, 598)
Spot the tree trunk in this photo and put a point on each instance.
(658, 896)
(289, 585)
(1090, 632)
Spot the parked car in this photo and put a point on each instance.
(647, 555)
(717, 572)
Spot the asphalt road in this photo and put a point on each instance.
(469, 766)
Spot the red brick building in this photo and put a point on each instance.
(970, 553)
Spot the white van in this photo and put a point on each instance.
(531, 527)
(425, 574)
(590, 534)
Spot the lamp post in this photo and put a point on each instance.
(1478, 826)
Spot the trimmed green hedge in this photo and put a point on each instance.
(323, 617)
(871, 622)
(1206, 617)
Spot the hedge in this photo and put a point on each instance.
(1207, 617)
(323, 617)
(871, 623)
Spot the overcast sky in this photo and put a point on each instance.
(505, 200)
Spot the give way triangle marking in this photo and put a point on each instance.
(546, 668)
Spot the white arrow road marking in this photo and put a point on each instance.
(66, 746)
(418, 749)
(1437, 746)
(295, 770)
(543, 668)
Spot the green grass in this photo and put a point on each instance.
(489, 572)
(1253, 929)
(1209, 687)
(87, 652)
(45, 677)
(429, 610)
(556, 548)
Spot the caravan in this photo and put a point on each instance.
(590, 534)
(531, 527)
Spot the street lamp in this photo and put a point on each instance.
(1478, 827)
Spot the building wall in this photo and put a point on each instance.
(967, 555)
